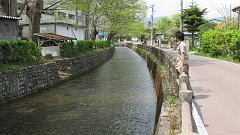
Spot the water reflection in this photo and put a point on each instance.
(116, 98)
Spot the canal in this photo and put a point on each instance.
(117, 98)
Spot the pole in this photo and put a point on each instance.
(239, 19)
(151, 40)
(230, 12)
(181, 21)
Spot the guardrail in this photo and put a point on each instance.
(180, 84)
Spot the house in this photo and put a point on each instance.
(237, 10)
(8, 27)
(61, 22)
(8, 20)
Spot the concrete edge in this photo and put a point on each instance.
(199, 123)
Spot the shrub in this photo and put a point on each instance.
(85, 45)
(220, 42)
(213, 42)
(67, 49)
(102, 44)
(21, 52)
(71, 50)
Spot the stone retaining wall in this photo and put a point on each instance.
(180, 83)
(18, 83)
(78, 65)
(22, 82)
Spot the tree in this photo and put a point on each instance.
(93, 12)
(164, 24)
(122, 15)
(34, 10)
(193, 18)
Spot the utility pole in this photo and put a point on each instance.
(151, 40)
(181, 21)
(230, 14)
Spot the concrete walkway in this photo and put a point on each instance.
(216, 85)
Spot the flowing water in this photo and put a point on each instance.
(117, 98)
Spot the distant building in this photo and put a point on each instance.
(8, 20)
(237, 10)
(60, 22)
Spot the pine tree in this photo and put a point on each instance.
(193, 18)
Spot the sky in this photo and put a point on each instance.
(170, 7)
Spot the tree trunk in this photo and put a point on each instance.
(87, 27)
(37, 19)
(34, 13)
(30, 14)
(110, 36)
(94, 34)
(192, 39)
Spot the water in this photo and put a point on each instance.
(115, 99)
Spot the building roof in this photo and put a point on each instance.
(10, 17)
(54, 36)
(236, 9)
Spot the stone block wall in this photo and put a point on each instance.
(22, 82)
(78, 65)
(18, 83)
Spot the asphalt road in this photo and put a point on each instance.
(216, 86)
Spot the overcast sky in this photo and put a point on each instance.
(169, 7)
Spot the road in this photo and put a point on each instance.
(216, 85)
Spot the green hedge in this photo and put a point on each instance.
(19, 52)
(85, 45)
(67, 49)
(221, 42)
(102, 44)
(70, 50)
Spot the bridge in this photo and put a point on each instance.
(119, 97)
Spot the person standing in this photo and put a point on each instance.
(183, 56)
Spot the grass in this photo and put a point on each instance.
(224, 58)
(193, 48)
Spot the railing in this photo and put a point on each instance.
(180, 84)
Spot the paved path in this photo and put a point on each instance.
(216, 85)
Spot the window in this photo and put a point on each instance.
(61, 14)
(71, 16)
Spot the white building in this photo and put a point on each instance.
(61, 22)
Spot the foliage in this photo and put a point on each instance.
(222, 42)
(101, 44)
(19, 52)
(193, 18)
(110, 15)
(163, 25)
(121, 14)
(171, 100)
(69, 49)
(84, 45)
